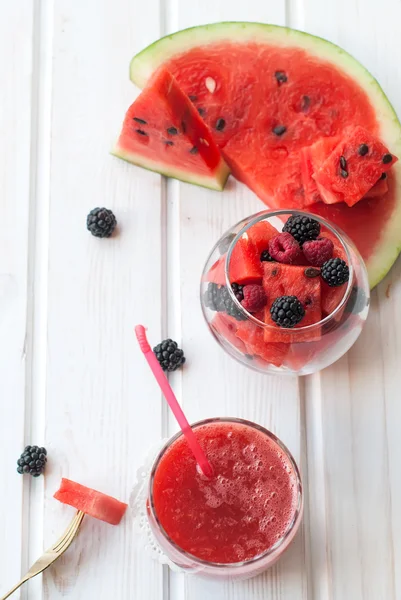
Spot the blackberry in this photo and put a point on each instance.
(238, 291)
(287, 311)
(266, 257)
(335, 272)
(33, 461)
(217, 298)
(169, 355)
(101, 222)
(302, 228)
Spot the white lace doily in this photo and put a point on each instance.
(137, 503)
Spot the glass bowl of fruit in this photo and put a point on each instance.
(284, 292)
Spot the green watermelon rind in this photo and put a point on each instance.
(148, 60)
(215, 182)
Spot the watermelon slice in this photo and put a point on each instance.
(353, 167)
(289, 280)
(163, 132)
(91, 502)
(310, 89)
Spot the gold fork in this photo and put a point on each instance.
(53, 553)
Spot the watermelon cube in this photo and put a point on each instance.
(290, 280)
(245, 265)
(227, 327)
(354, 166)
(253, 337)
(91, 502)
(311, 158)
(260, 235)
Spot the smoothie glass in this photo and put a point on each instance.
(264, 476)
(301, 350)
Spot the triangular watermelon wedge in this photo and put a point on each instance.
(163, 132)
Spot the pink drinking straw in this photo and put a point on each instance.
(168, 393)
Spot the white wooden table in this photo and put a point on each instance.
(71, 375)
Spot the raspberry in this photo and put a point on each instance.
(284, 248)
(318, 251)
(254, 298)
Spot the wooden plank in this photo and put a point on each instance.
(354, 406)
(213, 384)
(16, 125)
(102, 407)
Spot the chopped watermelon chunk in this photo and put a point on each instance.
(91, 502)
(290, 280)
(253, 337)
(227, 327)
(311, 158)
(260, 234)
(353, 167)
(245, 265)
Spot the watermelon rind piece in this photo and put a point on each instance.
(148, 60)
(217, 182)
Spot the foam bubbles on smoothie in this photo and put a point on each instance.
(245, 508)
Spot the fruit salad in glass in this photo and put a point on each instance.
(284, 292)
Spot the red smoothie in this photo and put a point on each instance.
(241, 512)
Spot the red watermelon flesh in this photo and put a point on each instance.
(311, 156)
(253, 337)
(379, 189)
(93, 503)
(227, 327)
(163, 132)
(360, 173)
(260, 234)
(245, 265)
(290, 280)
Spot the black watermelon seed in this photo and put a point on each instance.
(220, 124)
(169, 143)
(279, 129)
(281, 77)
(312, 272)
(194, 150)
(343, 173)
(172, 130)
(141, 132)
(201, 111)
(274, 272)
(141, 121)
(305, 103)
(193, 98)
(387, 158)
(363, 149)
(343, 162)
(383, 176)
